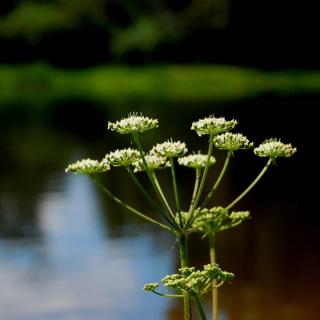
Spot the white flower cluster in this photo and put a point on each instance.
(134, 123)
(213, 125)
(274, 148)
(123, 157)
(153, 162)
(194, 281)
(232, 141)
(170, 149)
(196, 161)
(88, 166)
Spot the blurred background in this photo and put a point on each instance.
(69, 66)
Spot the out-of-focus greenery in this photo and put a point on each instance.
(117, 27)
(41, 83)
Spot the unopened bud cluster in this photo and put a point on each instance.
(196, 282)
(217, 219)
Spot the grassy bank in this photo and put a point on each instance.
(40, 83)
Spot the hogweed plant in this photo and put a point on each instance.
(197, 217)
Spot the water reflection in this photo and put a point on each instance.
(68, 253)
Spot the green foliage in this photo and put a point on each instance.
(42, 84)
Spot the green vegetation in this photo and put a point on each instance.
(40, 83)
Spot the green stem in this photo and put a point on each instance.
(184, 260)
(136, 139)
(214, 282)
(200, 308)
(161, 192)
(253, 183)
(203, 180)
(215, 186)
(126, 206)
(175, 186)
(154, 205)
(168, 295)
(196, 186)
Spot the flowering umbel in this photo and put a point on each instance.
(134, 123)
(123, 157)
(170, 149)
(196, 161)
(153, 162)
(274, 148)
(212, 125)
(88, 166)
(232, 141)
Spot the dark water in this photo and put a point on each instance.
(67, 253)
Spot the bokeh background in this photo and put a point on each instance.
(69, 66)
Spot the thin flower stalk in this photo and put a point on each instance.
(150, 175)
(175, 188)
(153, 204)
(184, 262)
(253, 183)
(215, 186)
(214, 294)
(126, 206)
(196, 186)
(203, 180)
(200, 308)
(156, 181)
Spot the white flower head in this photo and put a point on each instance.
(170, 149)
(274, 148)
(196, 161)
(153, 162)
(134, 123)
(123, 157)
(88, 166)
(232, 141)
(213, 125)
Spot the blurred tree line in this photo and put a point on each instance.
(78, 33)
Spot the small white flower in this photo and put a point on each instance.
(170, 149)
(213, 125)
(232, 141)
(196, 161)
(134, 123)
(274, 148)
(124, 157)
(88, 166)
(153, 162)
